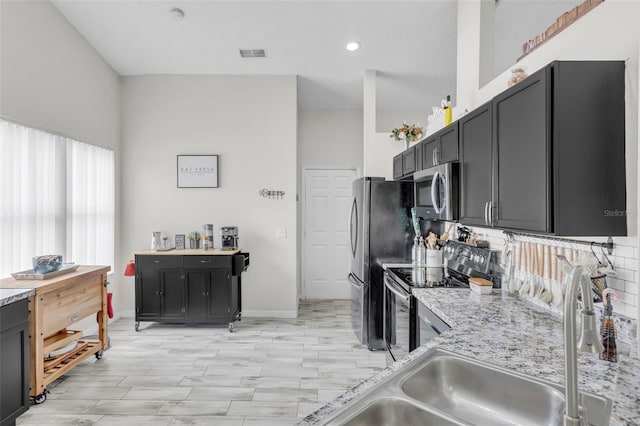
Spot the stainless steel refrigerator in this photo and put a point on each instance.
(380, 231)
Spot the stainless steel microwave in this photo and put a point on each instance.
(436, 192)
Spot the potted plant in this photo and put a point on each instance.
(194, 240)
(407, 133)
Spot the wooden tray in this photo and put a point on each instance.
(30, 274)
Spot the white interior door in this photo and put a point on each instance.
(327, 200)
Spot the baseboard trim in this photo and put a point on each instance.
(269, 314)
(127, 314)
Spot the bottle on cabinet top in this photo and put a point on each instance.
(448, 117)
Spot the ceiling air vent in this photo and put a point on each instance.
(252, 53)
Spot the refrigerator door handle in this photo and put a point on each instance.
(354, 282)
(353, 236)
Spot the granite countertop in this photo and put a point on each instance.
(11, 295)
(509, 332)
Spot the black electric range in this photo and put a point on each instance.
(409, 324)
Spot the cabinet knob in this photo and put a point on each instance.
(205, 261)
(156, 261)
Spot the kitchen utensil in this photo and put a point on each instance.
(517, 280)
(545, 293)
(534, 289)
(445, 235)
(524, 288)
(414, 220)
(463, 233)
(608, 269)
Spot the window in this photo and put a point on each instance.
(56, 197)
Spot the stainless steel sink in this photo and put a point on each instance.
(446, 388)
(396, 411)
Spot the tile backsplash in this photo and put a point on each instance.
(624, 260)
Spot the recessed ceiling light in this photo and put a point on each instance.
(353, 46)
(177, 13)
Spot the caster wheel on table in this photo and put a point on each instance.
(230, 327)
(39, 399)
(137, 326)
(99, 354)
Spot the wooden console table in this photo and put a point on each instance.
(58, 303)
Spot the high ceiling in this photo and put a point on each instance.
(412, 44)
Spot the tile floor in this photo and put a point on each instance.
(267, 372)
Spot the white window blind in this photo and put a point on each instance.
(56, 197)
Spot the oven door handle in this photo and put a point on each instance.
(353, 282)
(392, 288)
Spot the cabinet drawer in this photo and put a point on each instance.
(240, 263)
(212, 261)
(164, 261)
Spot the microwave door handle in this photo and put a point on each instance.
(434, 189)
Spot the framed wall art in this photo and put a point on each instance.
(179, 241)
(197, 171)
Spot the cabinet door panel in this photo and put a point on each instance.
(448, 147)
(409, 161)
(197, 293)
(220, 294)
(476, 142)
(148, 293)
(522, 137)
(14, 368)
(397, 166)
(172, 293)
(428, 149)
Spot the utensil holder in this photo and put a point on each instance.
(434, 258)
(598, 284)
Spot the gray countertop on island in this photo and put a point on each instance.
(509, 332)
(11, 295)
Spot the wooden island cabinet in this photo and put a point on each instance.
(57, 304)
(189, 286)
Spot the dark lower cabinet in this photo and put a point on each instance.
(189, 288)
(14, 361)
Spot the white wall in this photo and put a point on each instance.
(250, 122)
(52, 79)
(611, 31)
(327, 138)
(330, 138)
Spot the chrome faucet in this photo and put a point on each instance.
(579, 279)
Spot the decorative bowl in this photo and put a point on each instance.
(46, 264)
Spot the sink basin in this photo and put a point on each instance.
(485, 395)
(445, 388)
(396, 411)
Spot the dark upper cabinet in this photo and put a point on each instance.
(429, 151)
(397, 166)
(556, 156)
(441, 147)
(407, 162)
(521, 156)
(476, 147)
